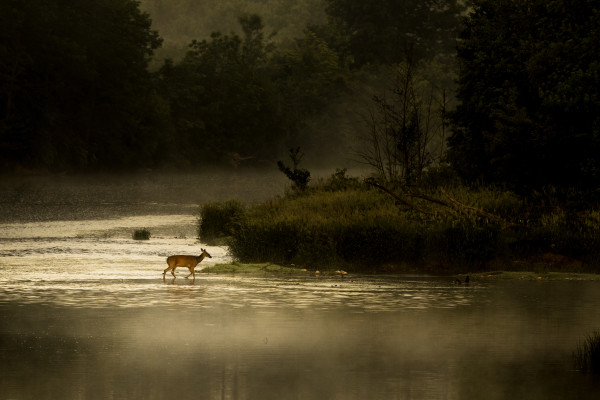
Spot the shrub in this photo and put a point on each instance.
(344, 223)
(340, 181)
(354, 228)
(299, 176)
(141, 234)
(219, 219)
(442, 175)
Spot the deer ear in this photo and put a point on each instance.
(202, 249)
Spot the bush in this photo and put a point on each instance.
(355, 229)
(443, 175)
(141, 234)
(219, 219)
(344, 223)
(340, 181)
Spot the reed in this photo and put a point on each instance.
(587, 354)
(356, 228)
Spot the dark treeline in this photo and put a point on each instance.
(77, 92)
(240, 97)
(529, 104)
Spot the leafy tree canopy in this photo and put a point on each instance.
(240, 98)
(529, 112)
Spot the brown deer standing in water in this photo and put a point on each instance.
(185, 261)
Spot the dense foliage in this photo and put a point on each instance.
(344, 223)
(77, 91)
(386, 31)
(236, 97)
(75, 87)
(219, 219)
(181, 21)
(529, 113)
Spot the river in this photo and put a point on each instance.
(85, 312)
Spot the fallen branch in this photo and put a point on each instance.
(398, 198)
(475, 211)
(453, 204)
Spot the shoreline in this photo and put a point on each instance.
(533, 276)
(274, 269)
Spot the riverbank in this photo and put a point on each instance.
(533, 276)
(266, 269)
(261, 269)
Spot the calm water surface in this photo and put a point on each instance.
(85, 314)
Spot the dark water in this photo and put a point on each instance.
(276, 337)
(85, 314)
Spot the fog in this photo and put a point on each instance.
(180, 21)
(73, 197)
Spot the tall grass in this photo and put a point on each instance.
(344, 223)
(358, 228)
(587, 354)
(219, 219)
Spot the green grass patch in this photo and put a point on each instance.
(253, 269)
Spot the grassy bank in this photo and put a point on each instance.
(342, 223)
(268, 269)
(262, 269)
(250, 269)
(533, 276)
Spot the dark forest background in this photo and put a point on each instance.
(505, 92)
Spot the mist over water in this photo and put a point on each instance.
(85, 312)
(57, 197)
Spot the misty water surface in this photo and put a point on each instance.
(85, 313)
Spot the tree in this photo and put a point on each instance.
(76, 93)
(308, 76)
(406, 128)
(529, 112)
(239, 97)
(222, 100)
(384, 31)
(299, 176)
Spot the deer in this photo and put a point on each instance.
(185, 261)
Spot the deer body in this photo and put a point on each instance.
(185, 261)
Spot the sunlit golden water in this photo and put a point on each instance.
(85, 314)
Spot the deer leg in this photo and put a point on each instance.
(173, 272)
(191, 273)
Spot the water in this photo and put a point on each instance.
(86, 314)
